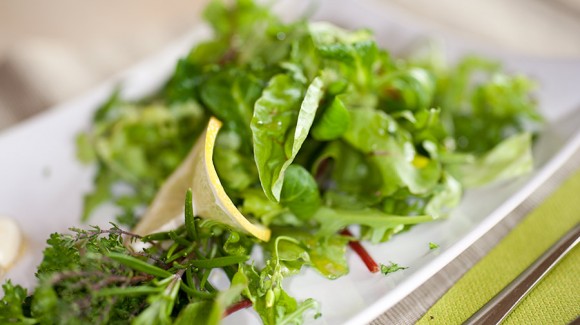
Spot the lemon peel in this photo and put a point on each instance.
(209, 198)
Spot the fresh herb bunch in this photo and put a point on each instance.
(94, 277)
(323, 129)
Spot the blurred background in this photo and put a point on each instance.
(51, 51)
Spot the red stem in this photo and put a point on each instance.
(361, 252)
(242, 304)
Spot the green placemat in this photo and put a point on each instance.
(555, 300)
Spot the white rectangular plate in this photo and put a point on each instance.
(41, 183)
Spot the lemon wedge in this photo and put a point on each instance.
(210, 200)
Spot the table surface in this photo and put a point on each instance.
(38, 39)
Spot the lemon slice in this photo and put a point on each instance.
(210, 200)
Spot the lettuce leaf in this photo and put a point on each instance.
(282, 119)
(511, 158)
(377, 134)
(325, 255)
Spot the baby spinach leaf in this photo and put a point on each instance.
(343, 168)
(300, 192)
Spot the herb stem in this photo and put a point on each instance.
(242, 304)
(356, 246)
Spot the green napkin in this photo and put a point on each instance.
(555, 300)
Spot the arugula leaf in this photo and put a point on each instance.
(332, 220)
(264, 289)
(297, 316)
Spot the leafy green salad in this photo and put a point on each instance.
(323, 130)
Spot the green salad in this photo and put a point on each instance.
(323, 129)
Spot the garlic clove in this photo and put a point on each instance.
(10, 242)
